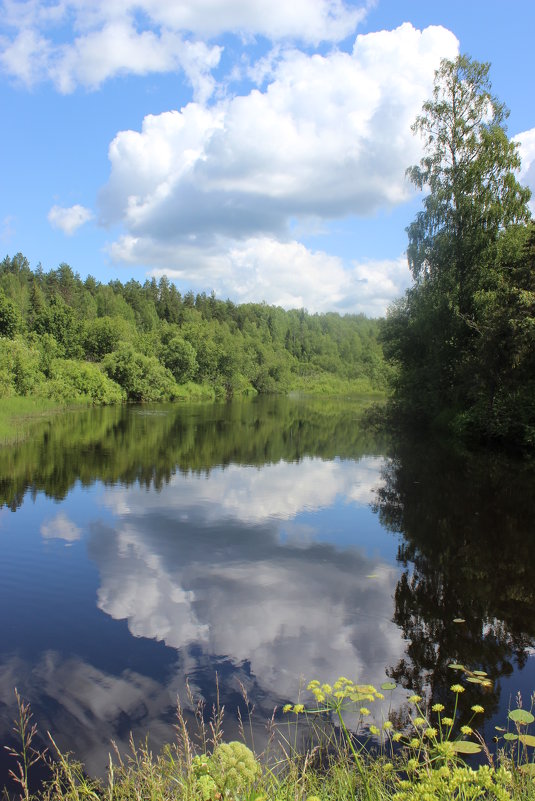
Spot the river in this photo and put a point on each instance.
(251, 546)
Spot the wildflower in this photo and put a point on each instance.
(414, 743)
(327, 688)
(313, 684)
(412, 764)
(374, 730)
(298, 708)
(388, 766)
(287, 708)
(430, 732)
(364, 711)
(387, 725)
(397, 736)
(419, 721)
(478, 708)
(447, 721)
(380, 696)
(438, 707)
(340, 694)
(466, 730)
(414, 699)
(457, 688)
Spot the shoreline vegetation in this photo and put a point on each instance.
(67, 342)
(423, 752)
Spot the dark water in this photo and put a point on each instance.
(261, 542)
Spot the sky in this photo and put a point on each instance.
(254, 148)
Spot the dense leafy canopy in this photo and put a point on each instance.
(462, 336)
(68, 339)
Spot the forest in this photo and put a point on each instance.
(70, 340)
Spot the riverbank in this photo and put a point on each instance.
(312, 757)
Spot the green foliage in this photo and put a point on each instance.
(178, 355)
(143, 378)
(71, 380)
(458, 336)
(9, 317)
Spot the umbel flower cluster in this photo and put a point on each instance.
(230, 772)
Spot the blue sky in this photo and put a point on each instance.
(256, 148)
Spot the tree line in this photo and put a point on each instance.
(462, 338)
(70, 339)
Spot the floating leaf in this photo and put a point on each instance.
(459, 620)
(479, 673)
(456, 667)
(521, 716)
(499, 728)
(510, 736)
(466, 747)
(529, 769)
(476, 680)
(527, 739)
(388, 685)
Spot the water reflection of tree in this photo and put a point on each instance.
(149, 444)
(467, 553)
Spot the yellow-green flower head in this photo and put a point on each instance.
(414, 699)
(298, 708)
(380, 696)
(438, 707)
(364, 711)
(327, 688)
(397, 736)
(466, 730)
(314, 683)
(287, 708)
(457, 688)
(414, 743)
(318, 695)
(430, 732)
(412, 764)
(387, 725)
(339, 694)
(388, 767)
(447, 721)
(478, 708)
(419, 721)
(374, 730)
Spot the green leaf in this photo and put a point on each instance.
(475, 680)
(521, 716)
(479, 673)
(527, 739)
(466, 747)
(388, 685)
(456, 667)
(510, 736)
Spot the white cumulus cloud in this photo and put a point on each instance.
(69, 219)
(60, 527)
(210, 195)
(85, 42)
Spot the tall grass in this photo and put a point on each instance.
(311, 756)
(18, 415)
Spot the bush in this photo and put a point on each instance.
(143, 378)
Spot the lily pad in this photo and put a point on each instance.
(456, 667)
(521, 716)
(510, 736)
(388, 685)
(479, 673)
(466, 747)
(527, 739)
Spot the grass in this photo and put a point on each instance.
(313, 756)
(18, 415)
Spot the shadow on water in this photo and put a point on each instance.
(466, 594)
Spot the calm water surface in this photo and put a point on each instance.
(263, 542)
